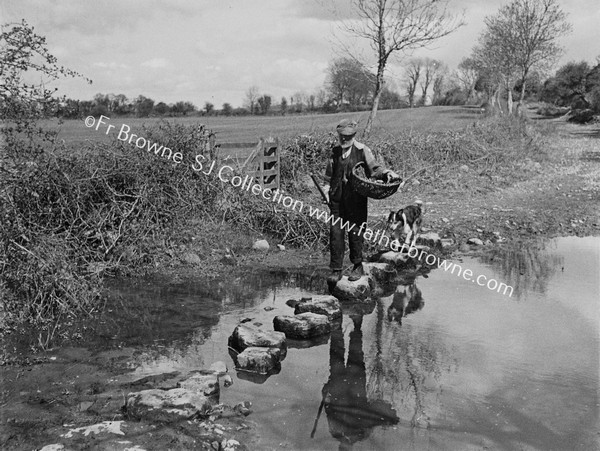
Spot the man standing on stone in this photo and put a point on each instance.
(346, 203)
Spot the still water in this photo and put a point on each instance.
(464, 368)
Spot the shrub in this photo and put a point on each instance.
(72, 217)
(487, 144)
(304, 155)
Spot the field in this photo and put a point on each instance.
(250, 128)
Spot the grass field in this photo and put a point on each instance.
(250, 128)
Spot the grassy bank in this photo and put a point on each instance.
(76, 214)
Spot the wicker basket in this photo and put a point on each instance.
(369, 188)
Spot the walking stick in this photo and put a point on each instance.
(312, 434)
(316, 182)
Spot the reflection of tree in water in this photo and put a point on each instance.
(350, 414)
(524, 267)
(405, 362)
(140, 313)
(249, 290)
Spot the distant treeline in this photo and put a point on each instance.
(348, 87)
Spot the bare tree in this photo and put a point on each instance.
(496, 62)
(391, 26)
(467, 74)
(321, 98)
(430, 70)
(439, 82)
(413, 73)
(299, 101)
(252, 95)
(522, 37)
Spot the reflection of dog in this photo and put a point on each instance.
(407, 219)
(406, 300)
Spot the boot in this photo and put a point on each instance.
(333, 279)
(335, 276)
(357, 272)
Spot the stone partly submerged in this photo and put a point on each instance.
(204, 383)
(166, 405)
(322, 304)
(303, 325)
(247, 335)
(259, 360)
(352, 291)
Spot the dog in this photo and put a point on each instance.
(406, 300)
(407, 220)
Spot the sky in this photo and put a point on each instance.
(215, 50)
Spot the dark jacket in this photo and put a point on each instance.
(338, 169)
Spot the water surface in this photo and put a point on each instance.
(462, 368)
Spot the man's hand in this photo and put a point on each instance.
(392, 177)
(326, 191)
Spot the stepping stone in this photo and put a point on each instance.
(323, 305)
(357, 291)
(259, 360)
(248, 335)
(303, 325)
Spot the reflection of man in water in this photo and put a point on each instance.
(351, 416)
(404, 302)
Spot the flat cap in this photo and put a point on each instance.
(346, 127)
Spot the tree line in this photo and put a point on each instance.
(510, 61)
(349, 87)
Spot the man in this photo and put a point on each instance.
(346, 203)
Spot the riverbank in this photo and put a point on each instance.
(47, 394)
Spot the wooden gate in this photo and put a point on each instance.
(260, 160)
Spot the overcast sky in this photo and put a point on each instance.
(214, 50)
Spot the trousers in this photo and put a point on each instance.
(352, 212)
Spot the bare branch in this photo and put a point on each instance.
(394, 26)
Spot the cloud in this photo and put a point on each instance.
(111, 65)
(155, 63)
(207, 50)
(325, 10)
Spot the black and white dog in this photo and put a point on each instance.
(406, 300)
(407, 220)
